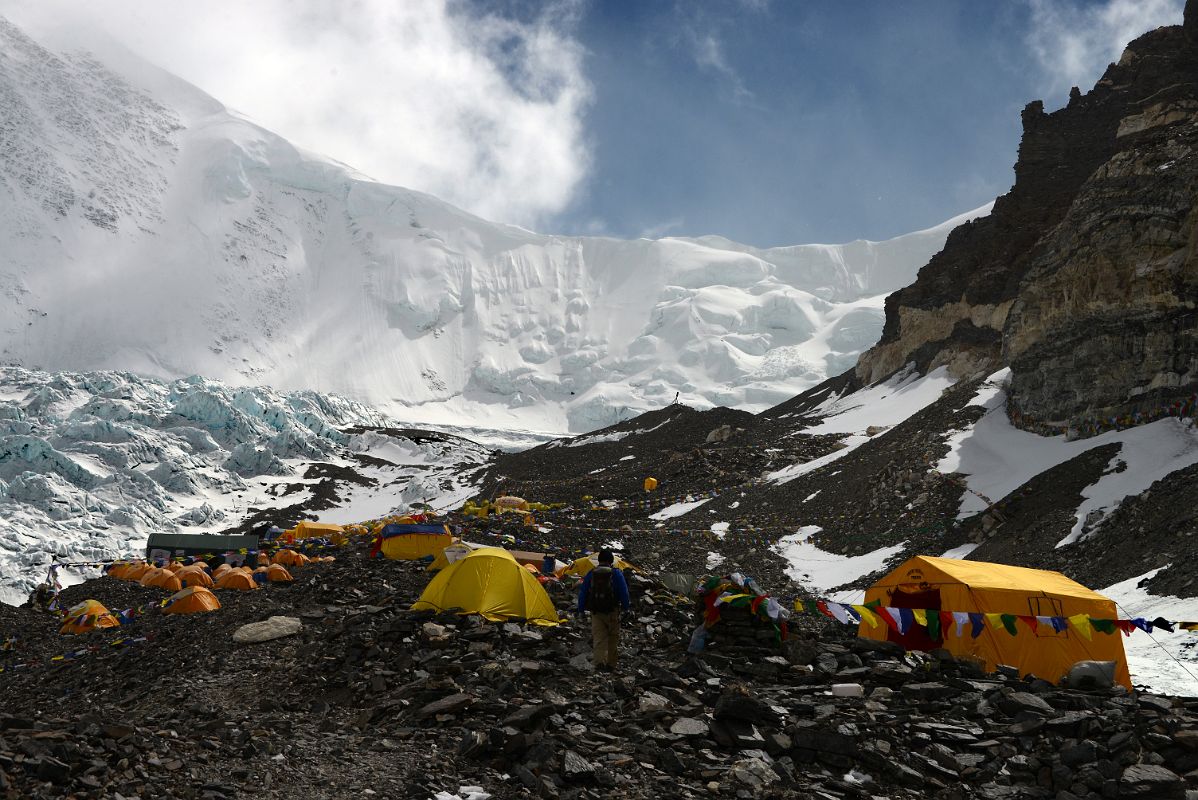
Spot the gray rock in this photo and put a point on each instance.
(687, 726)
(575, 767)
(753, 772)
(268, 629)
(1024, 701)
(650, 702)
(446, 705)
(1150, 781)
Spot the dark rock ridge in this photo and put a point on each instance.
(1083, 279)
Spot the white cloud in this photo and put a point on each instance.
(1074, 42)
(482, 111)
(662, 228)
(699, 33)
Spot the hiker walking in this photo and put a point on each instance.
(604, 592)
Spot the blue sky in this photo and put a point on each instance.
(783, 122)
(767, 121)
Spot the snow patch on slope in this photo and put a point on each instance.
(882, 405)
(820, 571)
(1164, 662)
(997, 458)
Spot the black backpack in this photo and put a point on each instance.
(601, 597)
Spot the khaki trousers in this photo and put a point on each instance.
(605, 637)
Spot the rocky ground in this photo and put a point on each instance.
(371, 699)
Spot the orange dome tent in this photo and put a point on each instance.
(290, 558)
(192, 600)
(236, 579)
(118, 570)
(136, 570)
(190, 576)
(166, 580)
(149, 576)
(221, 571)
(87, 616)
(277, 573)
(173, 566)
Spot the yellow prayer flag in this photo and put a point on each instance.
(867, 616)
(921, 616)
(995, 621)
(1081, 623)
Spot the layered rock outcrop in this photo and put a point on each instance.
(1083, 279)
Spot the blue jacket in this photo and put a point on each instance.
(619, 587)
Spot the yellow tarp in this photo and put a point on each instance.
(582, 566)
(491, 583)
(981, 587)
(87, 616)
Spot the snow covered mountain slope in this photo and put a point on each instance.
(91, 463)
(144, 227)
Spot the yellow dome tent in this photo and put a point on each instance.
(950, 584)
(87, 616)
(192, 600)
(491, 583)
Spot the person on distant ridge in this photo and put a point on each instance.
(604, 592)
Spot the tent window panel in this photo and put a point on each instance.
(1047, 607)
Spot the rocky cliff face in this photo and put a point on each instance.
(1083, 277)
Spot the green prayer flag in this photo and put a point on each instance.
(1008, 622)
(1105, 625)
(934, 624)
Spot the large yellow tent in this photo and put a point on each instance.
(410, 542)
(491, 583)
(307, 529)
(950, 584)
(87, 616)
(192, 600)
